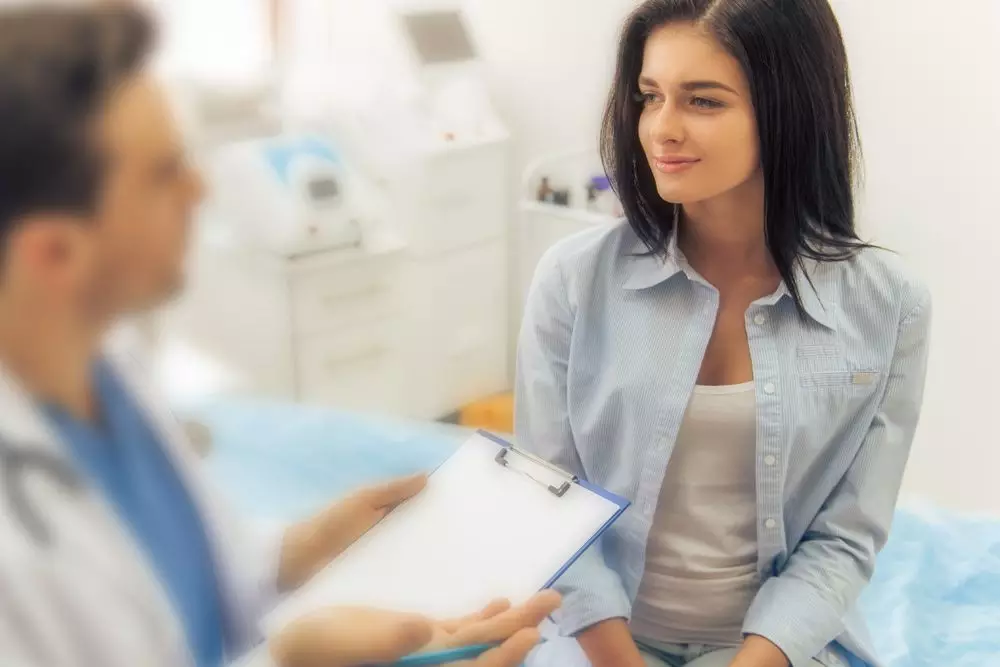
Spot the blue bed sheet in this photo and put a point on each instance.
(934, 602)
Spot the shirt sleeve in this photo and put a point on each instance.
(259, 657)
(802, 610)
(269, 539)
(592, 592)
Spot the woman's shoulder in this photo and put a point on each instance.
(588, 253)
(587, 244)
(880, 280)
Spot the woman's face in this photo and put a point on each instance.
(697, 126)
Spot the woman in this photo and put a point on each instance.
(733, 359)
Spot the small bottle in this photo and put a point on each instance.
(605, 200)
(591, 197)
(545, 190)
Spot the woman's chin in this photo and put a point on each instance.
(683, 195)
(673, 195)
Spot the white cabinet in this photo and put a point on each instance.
(455, 345)
(416, 328)
(346, 335)
(325, 329)
(419, 330)
(453, 199)
(412, 335)
(454, 279)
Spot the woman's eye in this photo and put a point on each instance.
(646, 99)
(705, 103)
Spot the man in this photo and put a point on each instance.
(112, 549)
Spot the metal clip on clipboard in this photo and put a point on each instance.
(558, 491)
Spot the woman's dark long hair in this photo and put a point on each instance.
(793, 56)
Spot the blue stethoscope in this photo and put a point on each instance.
(16, 463)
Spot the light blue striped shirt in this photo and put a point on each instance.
(610, 350)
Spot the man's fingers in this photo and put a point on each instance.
(489, 611)
(364, 636)
(390, 494)
(512, 652)
(500, 627)
(492, 609)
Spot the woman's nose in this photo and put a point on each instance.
(667, 126)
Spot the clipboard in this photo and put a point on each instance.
(493, 522)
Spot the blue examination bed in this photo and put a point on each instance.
(935, 600)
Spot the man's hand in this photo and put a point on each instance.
(352, 637)
(309, 546)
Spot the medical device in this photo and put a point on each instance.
(454, 100)
(291, 195)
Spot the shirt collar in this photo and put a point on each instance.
(814, 291)
(645, 270)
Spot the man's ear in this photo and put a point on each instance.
(50, 248)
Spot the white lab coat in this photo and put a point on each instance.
(91, 598)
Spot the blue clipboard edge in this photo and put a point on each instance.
(622, 503)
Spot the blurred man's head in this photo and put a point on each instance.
(96, 197)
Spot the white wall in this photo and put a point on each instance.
(550, 63)
(927, 78)
(191, 44)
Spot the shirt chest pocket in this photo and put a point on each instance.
(825, 368)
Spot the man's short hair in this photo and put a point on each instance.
(58, 67)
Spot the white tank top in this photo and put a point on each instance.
(701, 557)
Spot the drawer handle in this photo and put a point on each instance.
(332, 300)
(364, 354)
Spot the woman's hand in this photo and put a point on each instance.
(610, 644)
(759, 652)
(309, 546)
(354, 637)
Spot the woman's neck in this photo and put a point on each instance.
(724, 236)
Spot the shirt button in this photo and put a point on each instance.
(769, 388)
(770, 524)
(760, 319)
(770, 460)
(648, 509)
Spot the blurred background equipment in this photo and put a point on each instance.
(355, 252)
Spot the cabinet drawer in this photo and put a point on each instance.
(356, 369)
(473, 278)
(459, 199)
(329, 301)
(447, 175)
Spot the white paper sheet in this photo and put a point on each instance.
(478, 532)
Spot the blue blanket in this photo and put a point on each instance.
(934, 602)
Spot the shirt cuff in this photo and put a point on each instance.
(600, 598)
(270, 539)
(791, 615)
